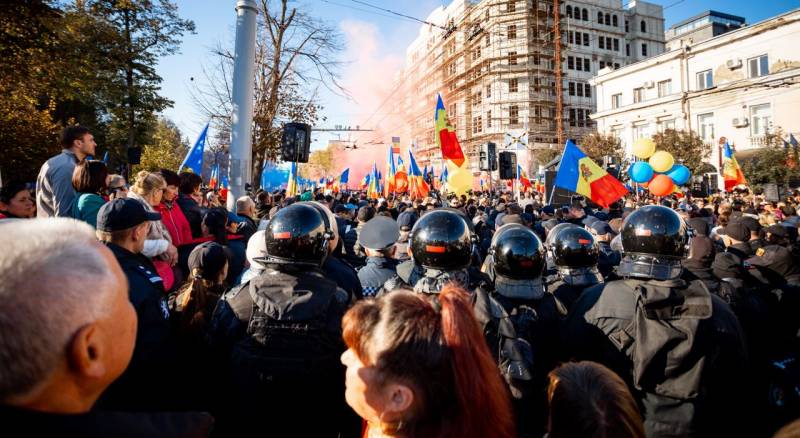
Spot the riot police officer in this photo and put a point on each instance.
(518, 259)
(442, 251)
(550, 270)
(278, 336)
(678, 346)
(575, 254)
(379, 240)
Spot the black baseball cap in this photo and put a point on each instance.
(736, 231)
(379, 233)
(775, 258)
(209, 257)
(122, 214)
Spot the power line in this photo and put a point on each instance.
(398, 14)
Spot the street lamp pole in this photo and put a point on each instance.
(241, 150)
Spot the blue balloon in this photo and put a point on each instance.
(679, 174)
(641, 172)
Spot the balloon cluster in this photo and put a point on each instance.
(659, 173)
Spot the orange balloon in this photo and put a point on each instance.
(661, 185)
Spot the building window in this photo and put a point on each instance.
(601, 43)
(571, 87)
(488, 41)
(600, 17)
(627, 50)
(451, 69)
(579, 90)
(608, 19)
(536, 59)
(586, 38)
(570, 63)
(608, 43)
(706, 124)
(664, 88)
(643, 26)
(512, 32)
(616, 101)
(760, 119)
(581, 118)
(626, 26)
(587, 90)
(572, 117)
(513, 85)
(512, 6)
(571, 36)
(488, 91)
(513, 114)
(602, 65)
(569, 11)
(578, 64)
(640, 131)
(705, 80)
(616, 65)
(758, 66)
(614, 20)
(477, 125)
(644, 49)
(586, 66)
(488, 119)
(663, 125)
(585, 14)
(476, 98)
(512, 58)
(638, 95)
(616, 45)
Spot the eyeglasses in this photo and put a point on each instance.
(116, 189)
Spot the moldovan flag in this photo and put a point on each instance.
(391, 170)
(291, 185)
(400, 177)
(731, 171)
(459, 178)
(373, 190)
(523, 179)
(578, 173)
(418, 188)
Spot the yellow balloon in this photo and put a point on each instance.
(643, 148)
(661, 161)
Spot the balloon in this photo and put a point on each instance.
(661, 161)
(643, 148)
(661, 185)
(640, 172)
(680, 174)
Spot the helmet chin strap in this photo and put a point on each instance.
(580, 276)
(650, 267)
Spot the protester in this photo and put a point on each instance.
(190, 199)
(256, 250)
(89, 180)
(215, 227)
(63, 362)
(245, 213)
(16, 201)
(399, 344)
(117, 187)
(171, 214)
(589, 400)
(54, 190)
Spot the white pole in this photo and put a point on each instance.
(242, 117)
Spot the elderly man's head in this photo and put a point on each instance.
(246, 206)
(67, 328)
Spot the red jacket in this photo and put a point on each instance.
(172, 217)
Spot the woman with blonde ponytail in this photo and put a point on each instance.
(416, 368)
(148, 188)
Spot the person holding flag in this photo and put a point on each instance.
(731, 172)
(578, 173)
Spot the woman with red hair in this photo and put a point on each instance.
(418, 368)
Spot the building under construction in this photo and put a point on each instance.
(494, 63)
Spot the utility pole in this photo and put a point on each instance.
(244, 63)
(559, 80)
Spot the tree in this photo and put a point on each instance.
(686, 147)
(143, 30)
(543, 156)
(320, 164)
(295, 55)
(165, 150)
(773, 163)
(598, 145)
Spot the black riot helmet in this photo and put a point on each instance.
(551, 236)
(517, 252)
(574, 247)
(442, 239)
(654, 241)
(298, 234)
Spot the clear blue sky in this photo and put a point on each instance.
(215, 21)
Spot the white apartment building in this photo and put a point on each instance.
(494, 67)
(739, 85)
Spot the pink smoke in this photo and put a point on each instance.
(370, 79)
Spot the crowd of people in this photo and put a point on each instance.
(148, 309)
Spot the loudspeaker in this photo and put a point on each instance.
(134, 155)
(508, 165)
(488, 157)
(560, 196)
(296, 142)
